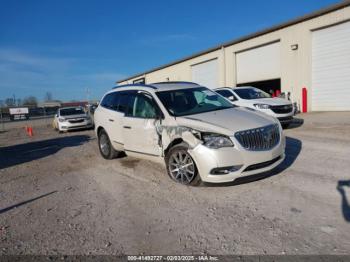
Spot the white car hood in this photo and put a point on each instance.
(227, 121)
(276, 101)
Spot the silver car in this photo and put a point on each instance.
(198, 134)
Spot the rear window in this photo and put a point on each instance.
(125, 103)
(71, 111)
(251, 93)
(224, 93)
(119, 101)
(110, 101)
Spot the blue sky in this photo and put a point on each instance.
(65, 47)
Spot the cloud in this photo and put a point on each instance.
(24, 73)
(19, 58)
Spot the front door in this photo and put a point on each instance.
(139, 126)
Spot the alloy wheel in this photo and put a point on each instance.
(181, 167)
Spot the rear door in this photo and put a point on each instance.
(139, 126)
(112, 118)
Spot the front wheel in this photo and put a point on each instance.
(181, 167)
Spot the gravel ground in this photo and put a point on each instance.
(58, 196)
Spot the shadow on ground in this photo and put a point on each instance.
(3, 210)
(293, 149)
(345, 207)
(18, 154)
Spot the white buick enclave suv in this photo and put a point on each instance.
(251, 97)
(199, 134)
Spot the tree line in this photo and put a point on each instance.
(29, 101)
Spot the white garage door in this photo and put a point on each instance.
(258, 64)
(331, 68)
(206, 74)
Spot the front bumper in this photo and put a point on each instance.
(66, 126)
(247, 162)
(283, 118)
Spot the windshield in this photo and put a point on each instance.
(182, 102)
(251, 93)
(71, 111)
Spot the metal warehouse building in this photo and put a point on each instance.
(311, 52)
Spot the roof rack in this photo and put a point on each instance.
(175, 82)
(142, 85)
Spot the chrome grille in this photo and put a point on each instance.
(285, 109)
(73, 121)
(257, 139)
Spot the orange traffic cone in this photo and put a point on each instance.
(30, 131)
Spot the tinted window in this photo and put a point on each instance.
(107, 101)
(71, 111)
(124, 102)
(192, 101)
(251, 93)
(225, 93)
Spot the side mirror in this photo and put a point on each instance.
(56, 115)
(231, 98)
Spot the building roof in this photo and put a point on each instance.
(297, 20)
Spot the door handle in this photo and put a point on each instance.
(111, 120)
(127, 127)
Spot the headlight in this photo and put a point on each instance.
(61, 119)
(262, 106)
(216, 141)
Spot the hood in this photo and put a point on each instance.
(227, 121)
(276, 101)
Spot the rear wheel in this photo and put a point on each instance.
(104, 144)
(181, 167)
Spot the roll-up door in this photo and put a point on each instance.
(331, 68)
(259, 64)
(206, 74)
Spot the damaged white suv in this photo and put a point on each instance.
(199, 134)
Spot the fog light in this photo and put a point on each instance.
(224, 170)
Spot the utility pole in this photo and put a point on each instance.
(2, 120)
(87, 94)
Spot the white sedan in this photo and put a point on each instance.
(254, 98)
(71, 118)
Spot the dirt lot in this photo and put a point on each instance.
(58, 196)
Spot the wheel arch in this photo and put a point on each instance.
(175, 142)
(99, 129)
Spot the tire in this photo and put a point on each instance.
(104, 144)
(177, 158)
(284, 126)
